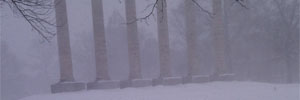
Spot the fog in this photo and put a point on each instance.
(261, 44)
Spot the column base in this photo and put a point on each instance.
(136, 83)
(141, 82)
(67, 87)
(187, 79)
(196, 79)
(103, 84)
(222, 77)
(167, 81)
(125, 84)
(200, 79)
(226, 77)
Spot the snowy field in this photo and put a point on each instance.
(206, 91)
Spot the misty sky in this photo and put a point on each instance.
(257, 54)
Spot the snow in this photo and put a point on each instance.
(205, 91)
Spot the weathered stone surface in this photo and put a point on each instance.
(196, 79)
(136, 83)
(66, 83)
(172, 81)
(156, 81)
(67, 87)
(133, 40)
(191, 36)
(63, 42)
(141, 82)
(227, 77)
(100, 41)
(223, 77)
(125, 84)
(200, 79)
(186, 79)
(167, 81)
(105, 84)
(219, 39)
(163, 39)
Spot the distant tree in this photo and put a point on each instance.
(272, 26)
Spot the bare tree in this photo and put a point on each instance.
(37, 13)
(156, 2)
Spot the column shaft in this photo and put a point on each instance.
(163, 39)
(100, 42)
(190, 22)
(219, 37)
(63, 40)
(228, 60)
(133, 42)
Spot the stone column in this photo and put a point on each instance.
(133, 41)
(163, 39)
(228, 53)
(135, 75)
(165, 77)
(102, 77)
(63, 40)
(100, 42)
(66, 83)
(191, 40)
(218, 30)
(190, 22)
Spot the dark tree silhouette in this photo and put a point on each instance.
(154, 5)
(37, 13)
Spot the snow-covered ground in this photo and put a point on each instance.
(206, 91)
